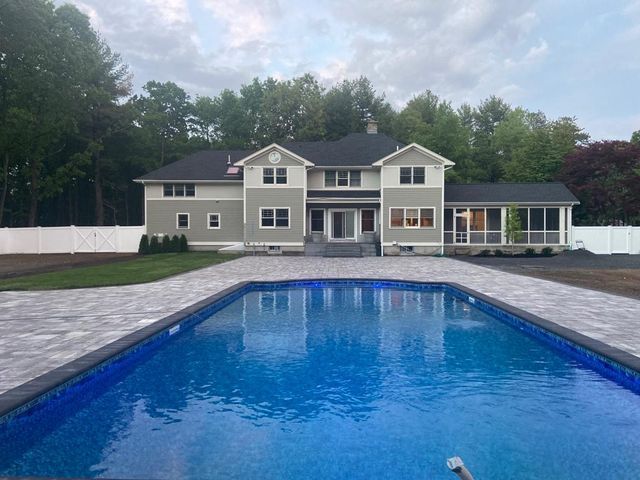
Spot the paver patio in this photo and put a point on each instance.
(40, 331)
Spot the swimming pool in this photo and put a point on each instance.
(346, 380)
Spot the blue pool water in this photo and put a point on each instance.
(333, 383)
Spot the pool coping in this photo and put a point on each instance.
(31, 392)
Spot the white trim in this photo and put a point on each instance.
(275, 177)
(343, 187)
(275, 244)
(409, 243)
(173, 190)
(412, 184)
(215, 243)
(153, 182)
(375, 217)
(419, 148)
(188, 227)
(404, 217)
(507, 204)
(273, 146)
(164, 199)
(261, 227)
(209, 227)
(381, 210)
(146, 208)
(343, 200)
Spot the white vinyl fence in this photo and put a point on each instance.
(608, 240)
(70, 239)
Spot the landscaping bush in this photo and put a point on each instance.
(166, 244)
(184, 246)
(175, 243)
(547, 251)
(484, 253)
(143, 247)
(498, 253)
(530, 252)
(154, 245)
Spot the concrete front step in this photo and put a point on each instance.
(341, 250)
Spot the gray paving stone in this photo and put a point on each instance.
(40, 331)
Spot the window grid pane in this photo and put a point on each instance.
(411, 217)
(267, 217)
(405, 175)
(397, 217)
(282, 217)
(355, 180)
(178, 189)
(183, 220)
(190, 190)
(330, 178)
(267, 176)
(317, 221)
(167, 190)
(426, 217)
(418, 175)
(214, 220)
(281, 176)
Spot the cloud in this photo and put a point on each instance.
(554, 56)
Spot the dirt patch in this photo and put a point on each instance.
(619, 274)
(25, 264)
(619, 281)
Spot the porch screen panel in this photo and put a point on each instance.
(476, 225)
(494, 225)
(448, 225)
(317, 221)
(552, 234)
(523, 213)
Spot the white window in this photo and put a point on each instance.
(342, 178)
(412, 175)
(412, 217)
(178, 190)
(182, 221)
(274, 250)
(213, 220)
(271, 176)
(274, 217)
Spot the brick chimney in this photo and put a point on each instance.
(372, 126)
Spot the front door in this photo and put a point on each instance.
(343, 225)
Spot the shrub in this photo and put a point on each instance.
(498, 253)
(547, 251)
(166, 244)
(529, 252)
(184, 246)
(143, 247)
(484, 253)
(154, 245)
(175, 243)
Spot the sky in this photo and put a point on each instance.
(564, 57)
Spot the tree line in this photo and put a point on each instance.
(72, 135)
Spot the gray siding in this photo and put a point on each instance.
(275, 197)
(413, 157)
(412, 198)
(161, 218)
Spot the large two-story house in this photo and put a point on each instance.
(363, 194)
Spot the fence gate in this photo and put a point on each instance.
(94, 239)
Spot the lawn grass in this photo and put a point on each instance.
(139, 270)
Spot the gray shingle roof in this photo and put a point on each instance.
(205, 165)
(356, 149)
(519, 193)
